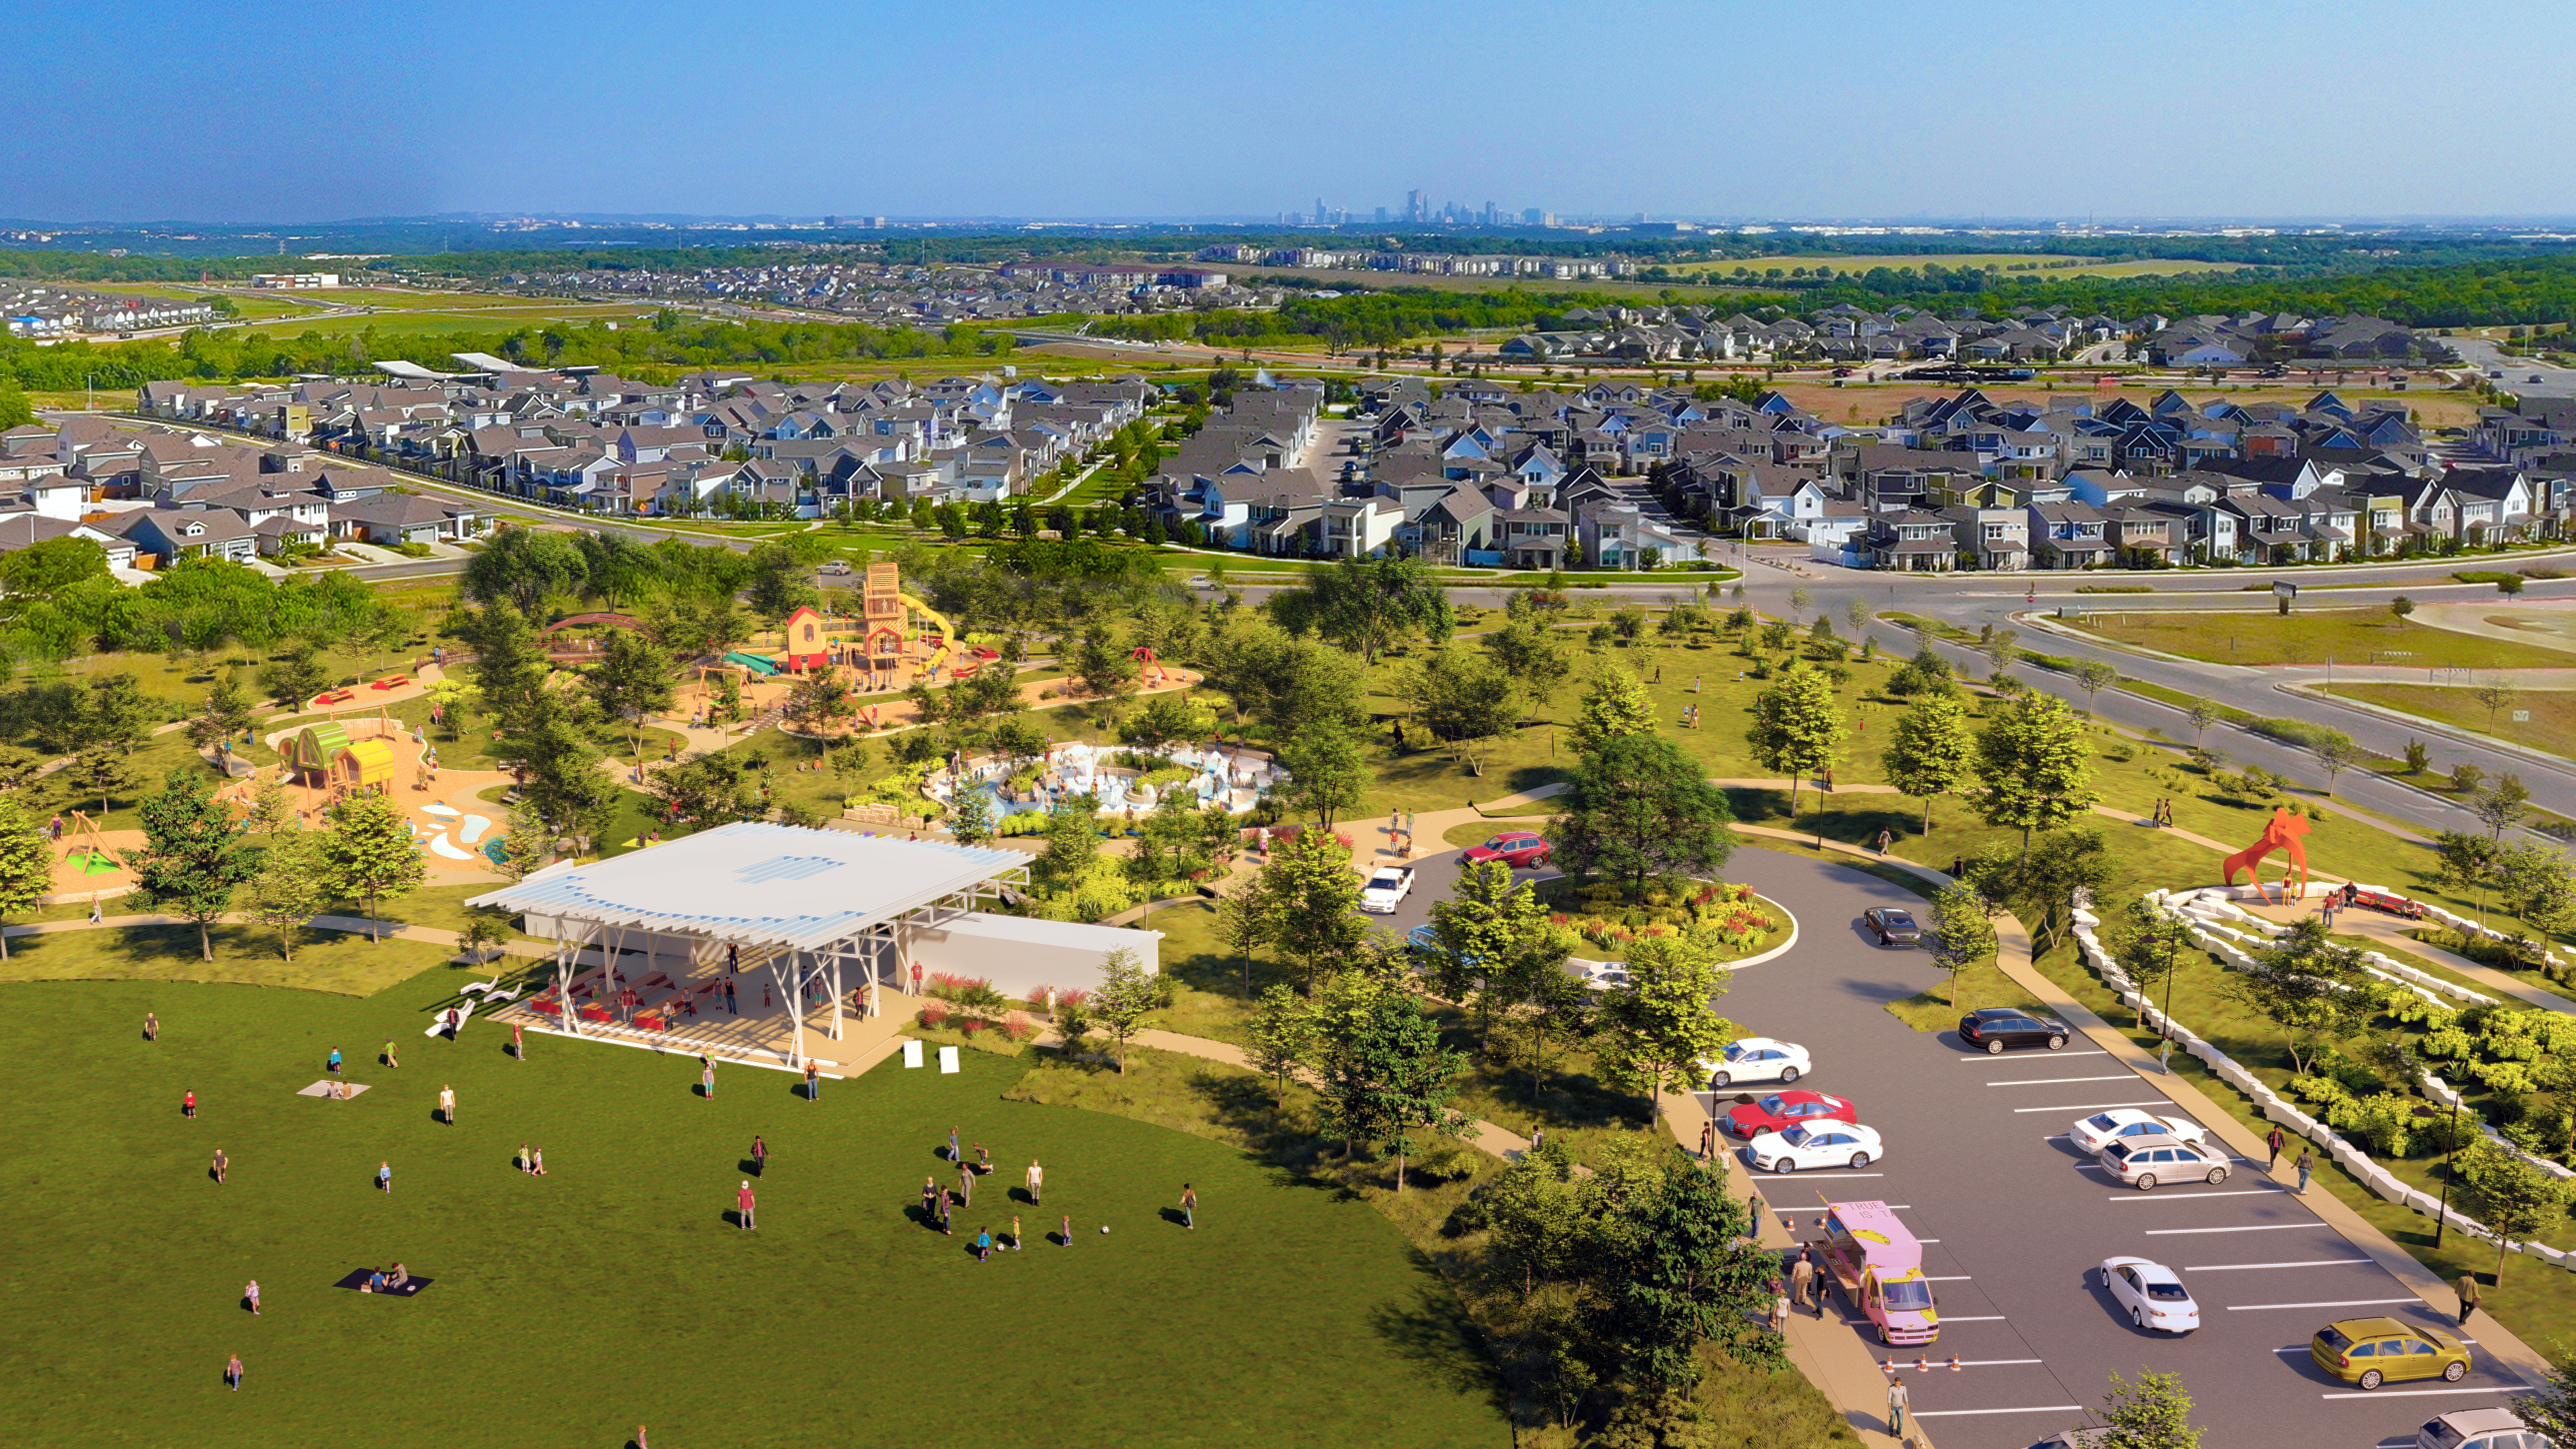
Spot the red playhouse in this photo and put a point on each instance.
(805, 643)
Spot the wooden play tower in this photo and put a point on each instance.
(883, 614)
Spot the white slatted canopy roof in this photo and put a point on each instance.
(755, 882)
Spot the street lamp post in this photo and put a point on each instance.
(2450, 1166)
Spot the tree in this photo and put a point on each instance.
(1073, 843)
(1384, 1073)
(484, 934)
(50, 567)
(2000, 650)
(525, 566)
(114, 714)
(548, 746)
(698, 794)
(1246, 917)
(1682, 1270)
(1317, 893)
(2034, 766)
(1484, 926)
(1122, 1000)
(26, 864)
(970, 817)
(1326, 773)
(287, 890)
(2336, 754)
(2517, 1199)
(2093, 676)
(1800, 601)
(1931, 750)
(2313, 990)
(102, 773)
(2148, 944)
(1165, 718)
(508, 668)
(1103, 664)
(1656, 1031)
(2201, 714)
(2401, 606)
(780, 583)
(1613, 704)
(1282, 1039)
(192, 858)
(1366, 604)
(1797, 728)
(1925, 673)
(1287, 684)
(1962, 936)
(2152, 1413)
(2505, 803)
(368, 855)
(525, 842)
(2534, 882)
(2551, 1410)
(1640, 807)
(1464, 699)
(1536, 656)
(224, 714)
(2469, 863)
(631, 680)
(2495, 694)
(619, 570)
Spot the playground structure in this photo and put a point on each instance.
(330, 760)
(581, 650)
(2283, 832)
(895, 641)
(1229, 777)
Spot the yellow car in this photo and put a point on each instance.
(2371, 1351)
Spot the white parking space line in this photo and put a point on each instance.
(2188, 1196)
(2052, 1056)
(2423, 1393)
(2092, 1106)
(2241, 1267)
(2260, 1228)
(1962, 1278)
(1829, 1176)
(2053, 1081)
(1996, 1362)
(2034, 1409)
(1793, 1212)
(2330, 1303)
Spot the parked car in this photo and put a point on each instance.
(1749, 1120)
(1831, 1144)
(2368, 1352)
(2478, 1429)
(2142, 1162)
(2103, 1128)
(1519, 849)
(835, 566)
(1757, 1059)
(2153, 1294)
(1389, 885)
(1994, 1028)
(1893, 925)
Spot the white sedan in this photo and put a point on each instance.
(2104, 1128)
(1390, 885)
(1827, 1144)
(1757, 1059)
(2153, 1294)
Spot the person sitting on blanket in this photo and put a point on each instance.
(375, 1282)
(401, 1276)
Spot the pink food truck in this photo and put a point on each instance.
(1880, 1268)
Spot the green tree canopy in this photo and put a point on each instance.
(2034, 766)
(1639, 807)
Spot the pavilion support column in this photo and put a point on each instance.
(837, 950)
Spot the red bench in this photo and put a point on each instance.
(2383, 901)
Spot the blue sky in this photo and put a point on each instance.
(254, 111)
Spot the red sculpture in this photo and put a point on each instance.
(2283, 833)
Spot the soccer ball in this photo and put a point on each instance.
(1104, 1227)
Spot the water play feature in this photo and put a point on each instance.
(1222, 775)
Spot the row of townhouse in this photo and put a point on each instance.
(2233, 341)
(600, 443)
(152, 498)
(32, 309)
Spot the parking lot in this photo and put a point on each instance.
(2016, 1220)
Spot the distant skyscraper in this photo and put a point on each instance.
(1381, 216)
(1413, 205)
(1322, 216)
(1532, 216)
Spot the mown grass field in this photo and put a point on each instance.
(2312, 636)
(2552, 725)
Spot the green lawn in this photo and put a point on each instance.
(615, 1291)
(2312, 636)
(2552, 725)
(333, 961)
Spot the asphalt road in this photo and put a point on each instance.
(2555, 381)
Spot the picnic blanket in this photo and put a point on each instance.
(358, 1281)
(323, 1088)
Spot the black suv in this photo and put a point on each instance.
(1997, 1027)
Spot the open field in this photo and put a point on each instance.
(2552, 725)
(2312, 636)
(755, 1336)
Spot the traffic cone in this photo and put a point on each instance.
(1954, 1363)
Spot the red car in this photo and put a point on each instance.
(1798, 1108)
(1519, 849)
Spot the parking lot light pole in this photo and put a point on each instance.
(2450, 1166)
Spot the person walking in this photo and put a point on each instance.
(95, 915)
(1885, 839)
(1018, 1243)
(332, 1064)
(947, 1213)
(522, 1161)
(389, 1053)
(233, 1372)
(759, 1157)
(1189, 1207)
(707, 1077)
(2307, 1164)
(1779, 1309)
(984, 1245)
(1814, 1262)
(813, 1081)
(151, 1027)
(1037, 1183)
(1897, 1400)
(384, 1177)
(731, 1009)
(222, 1165)
(447, 1104)
(537, 1162)
(1802, 1285)
(953, 1154)
(188, 1105)
(742, 1202)
(1707, 1141)
(251, 1292)
(518, 1043)
(966, 1184)
(2272, 1140)
(2468, 1296)
(1065, 1227)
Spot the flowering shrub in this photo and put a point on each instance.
(951, 985)
(934, 1013)
(970, 1026)
(1019, 1027)
(1071, 997)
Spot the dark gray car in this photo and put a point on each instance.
(1893, 925)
